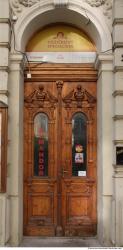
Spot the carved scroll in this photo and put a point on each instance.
(39, 96)
(79, 96)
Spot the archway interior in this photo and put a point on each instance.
(61, 43)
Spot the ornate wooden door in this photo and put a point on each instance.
(60, 158)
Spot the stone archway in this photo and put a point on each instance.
(79, 14)
(28, 23)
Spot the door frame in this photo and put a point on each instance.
(104, 64)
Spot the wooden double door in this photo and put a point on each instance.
(60, 158)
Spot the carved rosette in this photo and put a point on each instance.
(108, 8)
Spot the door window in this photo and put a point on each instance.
(79, 144)
(41, 145)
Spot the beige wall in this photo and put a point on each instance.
(117, 204)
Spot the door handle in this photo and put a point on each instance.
(63, 172)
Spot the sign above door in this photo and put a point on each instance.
(61, 44)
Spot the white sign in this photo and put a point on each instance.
(81, 173)
(62, 57)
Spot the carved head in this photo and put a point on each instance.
(79, 88)
(41, 88)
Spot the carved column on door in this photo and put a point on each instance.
(59, 230)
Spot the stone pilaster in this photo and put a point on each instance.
(104, 64)
(117, 201)
(4, 48)
(4, 69)
(15, 150)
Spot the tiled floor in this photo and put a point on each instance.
(59, 242)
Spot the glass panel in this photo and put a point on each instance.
(41, 145)
(79, 145)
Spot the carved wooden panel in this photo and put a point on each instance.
(60, 204)
(78, 200)
(41, 207)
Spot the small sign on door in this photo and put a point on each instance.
(79, 158)
(81, 173)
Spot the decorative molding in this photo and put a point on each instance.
(118, 69)
(107, 11)
(5, 45)
(59, 85)
(5, 20)
(39, 96)
(117, 21)
(79, 96)
(4, 92)
(4, 68)
(104, 62)
(60, 3)
(18, 5)
(28, 3)
(118, 142)
(117, 93)
(117, 45)
(118, 171)
(107, 6)
(95, 3)
(118, 117)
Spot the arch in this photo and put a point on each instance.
(77, 13)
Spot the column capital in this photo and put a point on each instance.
(104, 62)
(16, 60)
